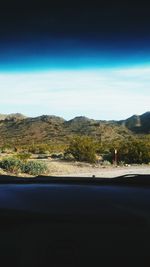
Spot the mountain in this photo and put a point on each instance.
(3, 117)
(13, 116)
(25, 130)
(17, 129)
(139, 124)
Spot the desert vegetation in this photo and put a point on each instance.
(82, 148)
(29, 159)
(28, 145)
(130, 151)
(15, 165)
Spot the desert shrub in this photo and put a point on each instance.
(23, 156)
(33, 149)
(68, 156)
(34, 168)
(11, 164)
(38, 149)
(122, 163)
(134, 151)
(15, 165)
(106, 163)
(131, 151)
(83, 148)
(7, 149)
(43, 149)
(57, 156)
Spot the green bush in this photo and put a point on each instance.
(15, 165)
(34, 168)
(39, 149)
(130, 151)
(83, 148)
(11, 164)
(7, 149)
(23, 156)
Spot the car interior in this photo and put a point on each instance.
(48, 221)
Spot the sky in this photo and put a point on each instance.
(75, 60)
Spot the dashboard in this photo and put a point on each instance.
(52, 221)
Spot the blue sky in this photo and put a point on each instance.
(100, 93)
(71, 77)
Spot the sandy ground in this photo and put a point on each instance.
(78, 169)
(83, 169)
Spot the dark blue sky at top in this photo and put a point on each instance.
(67, 53)
(36, 36)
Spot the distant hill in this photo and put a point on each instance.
(13, 116)
(3, 117)
(138, 123)
(17, 129)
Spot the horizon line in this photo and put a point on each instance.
(56, 116)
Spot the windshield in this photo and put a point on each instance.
(74, 90)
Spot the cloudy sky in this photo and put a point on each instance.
(110, 93)
(69, 61)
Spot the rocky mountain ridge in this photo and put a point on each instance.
(19, 129)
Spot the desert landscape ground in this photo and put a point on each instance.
(80, 169)
(49, 145)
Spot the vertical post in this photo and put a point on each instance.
(116, 157)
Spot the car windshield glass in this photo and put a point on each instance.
(74, 90)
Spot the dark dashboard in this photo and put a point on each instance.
(52, 221)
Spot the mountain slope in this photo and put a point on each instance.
(16, 129)
(138, 123)
(13, 116)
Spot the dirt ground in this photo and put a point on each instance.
(78, 169)
(84, 169)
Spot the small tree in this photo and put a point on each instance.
(83, 148)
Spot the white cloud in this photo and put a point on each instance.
(101, 93)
